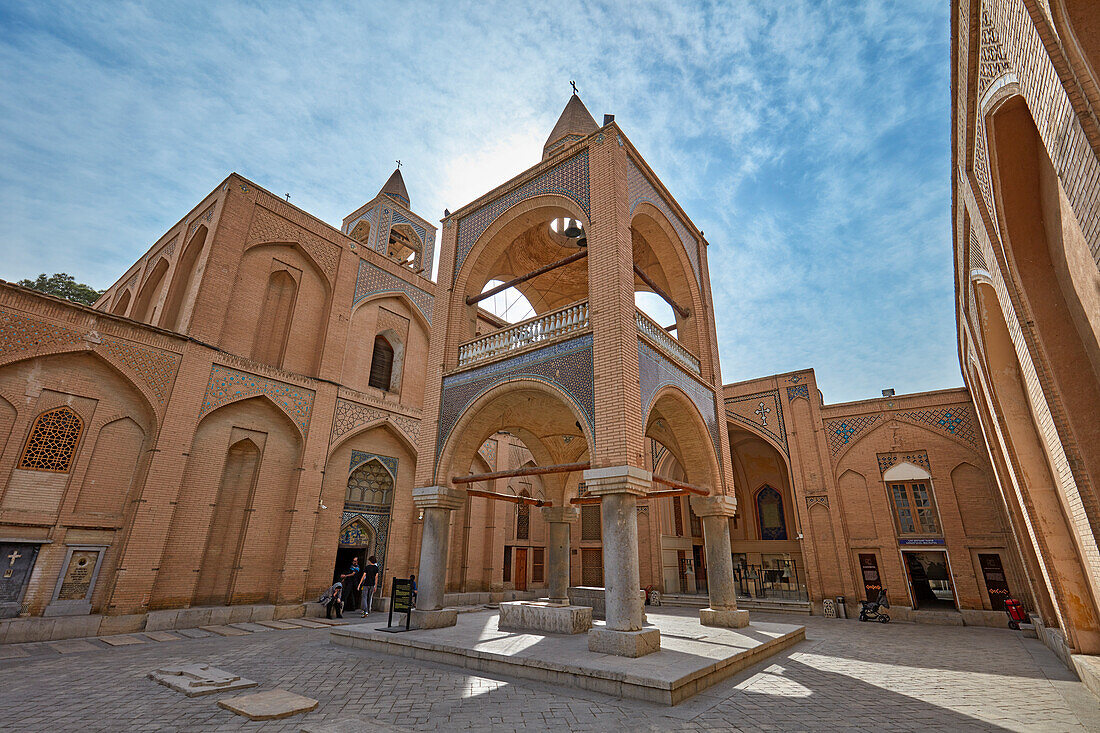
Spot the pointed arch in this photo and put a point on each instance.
(382, 422)
(276, 315)
(52, 441)
(183, 280)
(149, 294)
(674, 420)
(121, 304)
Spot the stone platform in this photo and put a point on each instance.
(692, 656)
(550, 618)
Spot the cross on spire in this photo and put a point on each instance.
(398, 164)
(574, 85)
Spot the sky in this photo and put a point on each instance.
(808, 140)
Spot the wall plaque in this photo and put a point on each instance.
(77, 581)
(16, 563)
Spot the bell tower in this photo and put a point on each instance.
(588, 382)
(388, 225)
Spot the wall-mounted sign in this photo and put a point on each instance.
(72, 595)
(922, 541)
(996, 584)
(872, 581)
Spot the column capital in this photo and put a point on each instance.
(618, 480)
(567, 514)
(441, 497)
(719, 505)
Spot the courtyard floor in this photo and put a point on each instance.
(846, 675)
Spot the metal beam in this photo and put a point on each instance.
(509, 497)
(524, 278)
(684, 312)
(473, 478)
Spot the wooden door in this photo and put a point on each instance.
(520, 568)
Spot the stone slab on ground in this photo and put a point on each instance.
(307, 623)
(278, 625)
(122, 639)
(224, 630)
(73, 646)
(692, 657)
(193, 633)
(163, 636)
(551, 618)
(268, 705)
(195, 680)
(333, 621)
(249, 626)
(7, 651)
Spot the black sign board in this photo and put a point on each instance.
(16, 563)
(995, 582)
(872, 582)
(401, 601)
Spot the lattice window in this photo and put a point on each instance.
(592, 567)
(370, 484)
(590, 522)
(52, 442)
(538, 565)
(523, 519)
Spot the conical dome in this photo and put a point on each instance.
(395, 188)
(575, 122)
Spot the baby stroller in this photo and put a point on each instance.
(871, 610)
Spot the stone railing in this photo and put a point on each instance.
(549, 327)
(670, 346)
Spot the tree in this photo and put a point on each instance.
(65, 286)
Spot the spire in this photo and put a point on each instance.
(395, 187)
(575, 122)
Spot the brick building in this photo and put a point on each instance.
(262, 396)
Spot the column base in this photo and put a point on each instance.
(726, 618)
(433, 619)
(625, 643)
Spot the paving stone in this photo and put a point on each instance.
(193, 633)
(122, 639)
(280, 625)
(162, 636)
(306, 623)
(73, 646)
(269, 704)
(250, 627)
(11, 651)
(329, 621)
(224, 630)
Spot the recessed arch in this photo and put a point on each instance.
(675, 421)
(149, 294)
(122, 303)
(183, 280)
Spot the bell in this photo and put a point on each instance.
(573, 229)
(582, 242)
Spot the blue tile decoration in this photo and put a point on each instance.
(886, 461)
(640, 190)
(229, 385)
(569, 178)
(566, 365)
(957, 420)
(842, 431)
(379, 522)
(488, 452)
(656, 371)
(762, 411)
(795, 378)
(380, 235)
(350, 415)
(358, 458)
(372, 280)
(800, 390)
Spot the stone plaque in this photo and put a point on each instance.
(828, 608)
(78, 576)
(16, 563)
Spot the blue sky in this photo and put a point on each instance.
(809, 140)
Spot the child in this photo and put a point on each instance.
(333, 599)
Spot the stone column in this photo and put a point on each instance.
(559, 518)
(715, 512)
(624, 632)
(437, 503)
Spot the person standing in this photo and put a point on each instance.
(351, 580)
(370, 583)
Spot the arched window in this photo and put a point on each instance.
(381, 364)
(371, 484)
(769, 512)
(275, 317)
(52, 442)
(523, 519)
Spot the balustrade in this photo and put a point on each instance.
(548, 327)
(670, 346)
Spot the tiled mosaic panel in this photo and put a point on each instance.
(656, 371)
(368, 216)
(228, 385)
(351, 415)
(886, 461)
(379, 522)
(371, 480)
(566, 365)
(957, 421)
(154, 367)
(641, 190)
(841, 432)
(268, 226)
(762, 411)
(488, 452)
(373, 280)
(800, 390)
(358, 458)
(569, 178)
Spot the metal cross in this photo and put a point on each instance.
(574, 85)
(399, 164)
(15, 555)
(763, 413)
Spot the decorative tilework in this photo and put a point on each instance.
(488, 451)
(566, 365)
(656, 371)
(795, 378)
(957, 421)
(379, 522)
(227, 385)
(640, 190)
(399, 218)
(205, 218)
(842, 431)
(886, 461)
(812, 500)
(372, 280)
(762, 411)
(358, 458)
(801, 390)
(427, 241)
(267, 226)
(569, 178)
(157, 368)
(380, 235)
(351, 415)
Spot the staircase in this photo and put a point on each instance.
(767, 605)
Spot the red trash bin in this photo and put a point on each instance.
(1016, 613)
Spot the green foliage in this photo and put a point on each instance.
(64, 286)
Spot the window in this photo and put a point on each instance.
(507, 565)
(769, 512)
(523, 519)
(592, 567)
(590, 523)
(913, 507)
(52, 442)
(538, 565)
(370, 483)
(381, 364)
(678, 516)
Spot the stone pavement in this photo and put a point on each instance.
(846, 675)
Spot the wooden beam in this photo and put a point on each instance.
(671, 328)
(473, 478)
(681, 486)
(684, 312)
(509, 497)
(585, 500)
(524, 278)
